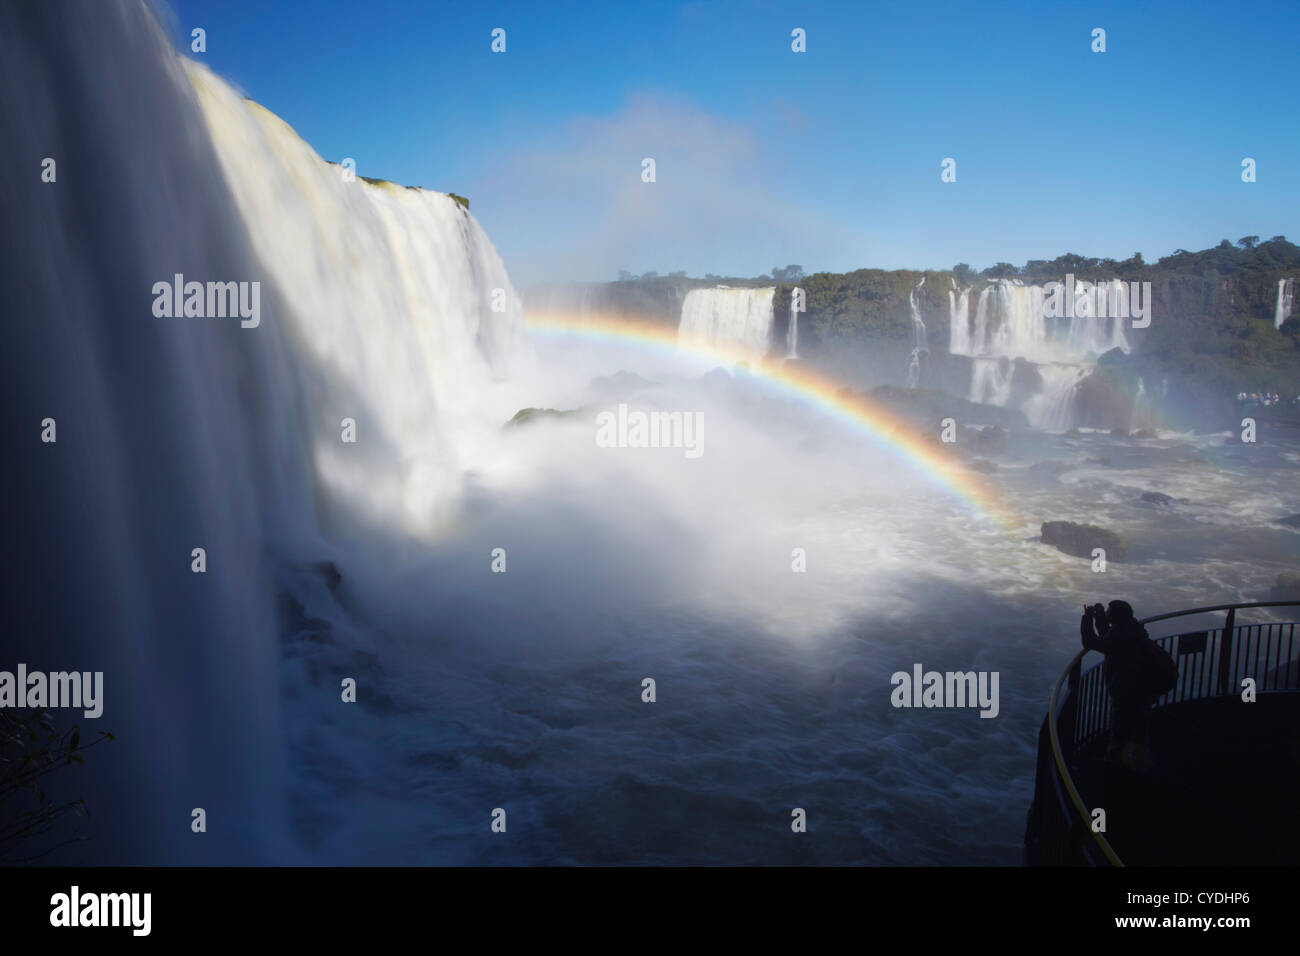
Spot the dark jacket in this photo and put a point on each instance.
(1123, 645)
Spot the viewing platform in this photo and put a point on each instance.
(1225, 775)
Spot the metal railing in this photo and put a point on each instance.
(1212, 663)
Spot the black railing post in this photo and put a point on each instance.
(1225, 652)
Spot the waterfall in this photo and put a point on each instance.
(792, 335)
(1285, 299)
(1144, 411)
(1012, 323)
(1018, 326)
(1050, 407)
(959, 332)
(991, 380)
(920, 340)
(388, 303)
(183, 432)
(736, 321)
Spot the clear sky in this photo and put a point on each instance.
(829, 158)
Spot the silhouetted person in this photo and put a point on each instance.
(1117, 634)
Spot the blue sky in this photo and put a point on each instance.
(829, 158)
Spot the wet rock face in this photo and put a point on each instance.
(1157, 498)
(1079, 540)
(1102, 402)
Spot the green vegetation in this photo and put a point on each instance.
(1211, 332)
(526, 416)
(460, 199)
(1212, 319)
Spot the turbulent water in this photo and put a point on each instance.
(374, 560)
(728, 320)
(190, 432)
(1011, 323)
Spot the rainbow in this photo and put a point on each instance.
(801, 384)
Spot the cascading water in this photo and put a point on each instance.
(1144, 410)
(920, 340)
(180, 433)
(737, 321)
(1012, 324)
(391, 313)
(1285, 300)
(1051, 406)
(792, 336)
(959, 332)
(991, 380)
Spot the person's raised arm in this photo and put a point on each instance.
(1088, 634)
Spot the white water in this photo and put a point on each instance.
(520, 689)
(730, 320)
(182, 433)
(1019, 328)
(792, 335)
(920, 339)
(1285, 300)
(1050, 407)
(959, 331)
(991, 380)
(1011, 323)
(387, 298)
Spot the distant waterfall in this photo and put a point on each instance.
(1285, 299)
(991, 380)
(1051, 407)
(1144, 412)
(730, 320)
(920, 339)
(792, 335)
(959, 331)
(1011, 323)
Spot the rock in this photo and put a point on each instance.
(526, 416)
(990, 439)
(1156, 498)
(622, 382)
(924, 406)
(1102, 400)
(1079, 540)
(1287, 587)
